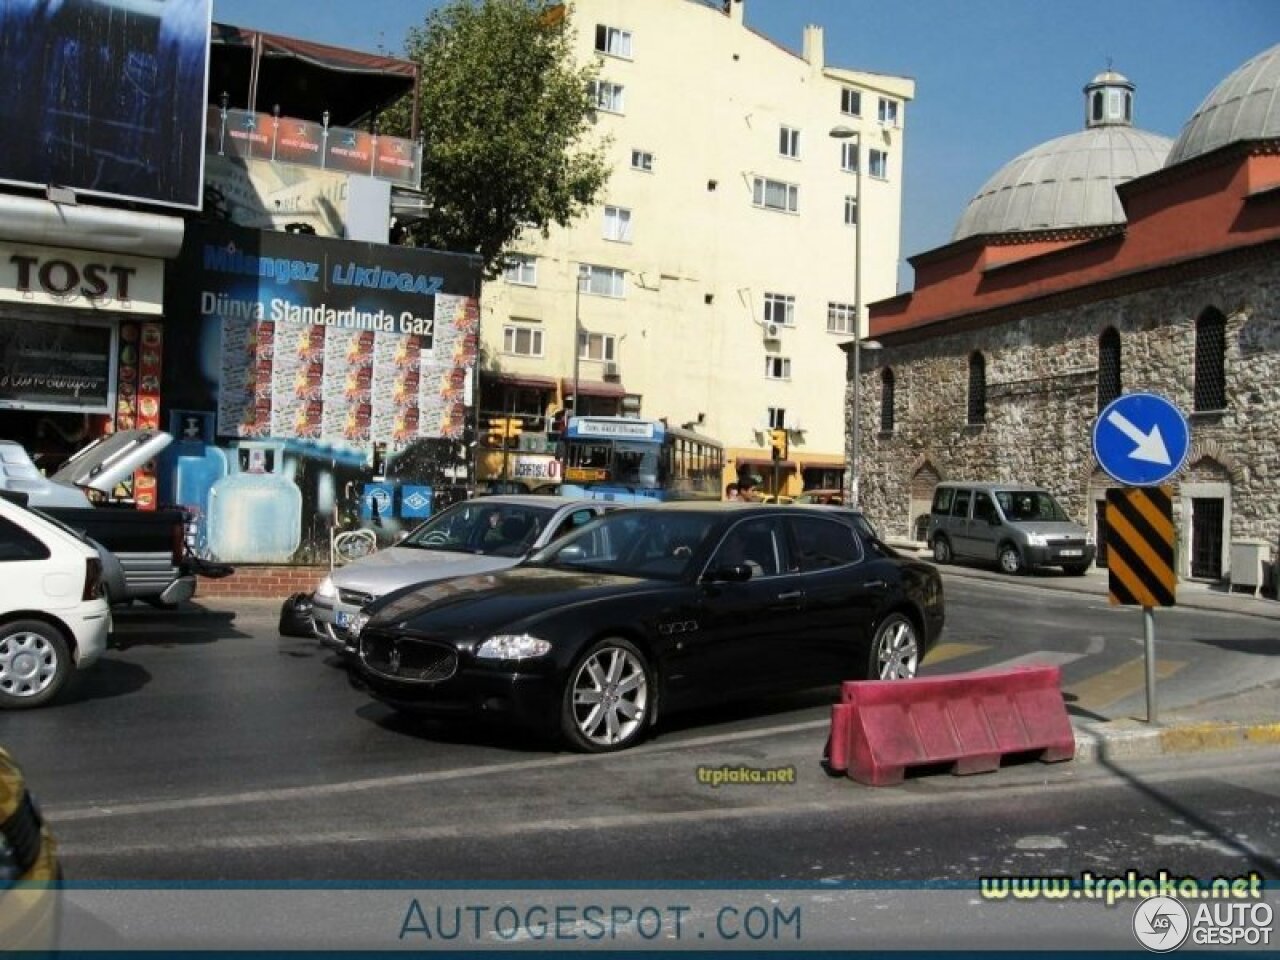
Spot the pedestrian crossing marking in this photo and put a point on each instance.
(1109, 686)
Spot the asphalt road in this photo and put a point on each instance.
(209, 748)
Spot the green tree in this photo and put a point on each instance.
(505, 114)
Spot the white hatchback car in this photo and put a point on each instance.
(53, 616)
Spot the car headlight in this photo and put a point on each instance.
(513, 646)
(1037, 540)
(357, 623)
(326, 590)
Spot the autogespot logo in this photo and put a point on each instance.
(1161, 924)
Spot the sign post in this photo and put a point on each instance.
(1142, 440)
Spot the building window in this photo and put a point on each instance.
(1109, 382)
(840, 318)
(777, 368)
(777, 418)
(888, 112)
(1097, 106)
(642, 160)
(607, 96)
(521, 268)
(611, 40)
(878, 164)
(977, 389)
(1211, 361)
(789, 142)
(849, 157)
(887, 387)
(780, 308)
(775, 195)
(603, 281)
(522, 341)
(596, 346)
(850, 102)
(850, 211)
(617, 224)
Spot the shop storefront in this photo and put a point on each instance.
(81, 339)
(315, 385)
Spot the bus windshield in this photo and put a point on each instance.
(617, 458)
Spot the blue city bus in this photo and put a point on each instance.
(621, 458)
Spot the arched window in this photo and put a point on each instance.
(1211, 361)
(977, 388)
(887, 384)
(1109, 382)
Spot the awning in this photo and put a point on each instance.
(592, 388)
(528, 380)
(822, 461)
(764, 462)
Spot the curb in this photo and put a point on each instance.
(1131, 740)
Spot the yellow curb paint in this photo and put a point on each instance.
(1217, 736)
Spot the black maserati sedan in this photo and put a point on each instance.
(650, 610)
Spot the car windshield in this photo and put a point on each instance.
(482, 526)
(632, 543)
(1022, 506)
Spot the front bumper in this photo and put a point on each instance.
(183, 588)
(528, 698)
(1056, 556)
(325, 615)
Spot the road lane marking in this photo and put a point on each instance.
(1039, 658)
(951, 651)
(286, 794)
(1110, 686)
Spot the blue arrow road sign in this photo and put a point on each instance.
(1141, 439)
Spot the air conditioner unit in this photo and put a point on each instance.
(771, 331)
(611, 372)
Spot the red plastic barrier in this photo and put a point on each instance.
(971, 720)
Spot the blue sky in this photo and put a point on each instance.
(993, 77)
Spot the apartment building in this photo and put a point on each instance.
(714, 283)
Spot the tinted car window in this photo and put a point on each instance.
(822, 544)
(753, 542)
(1029, 505)
(633, 543)
(960, 507)
(17, 545)
(984, 508)
(481, 526)
(942, 498)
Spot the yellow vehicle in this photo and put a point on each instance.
(29, 872)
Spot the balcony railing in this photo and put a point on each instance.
(263, 136)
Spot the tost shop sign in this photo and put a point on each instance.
(80, 279)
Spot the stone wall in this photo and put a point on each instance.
(1041, 374)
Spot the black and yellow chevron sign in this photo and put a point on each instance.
(1140, 546)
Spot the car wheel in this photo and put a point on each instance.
(607, 700)
(895, 653)
(941, 550)
(1010, 559)
(35, 663)
(1076, 569)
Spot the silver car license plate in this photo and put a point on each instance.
(341, 618)
(1070, 553)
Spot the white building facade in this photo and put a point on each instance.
(718, 268)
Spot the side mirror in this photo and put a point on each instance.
(571, 553)
(736, 573)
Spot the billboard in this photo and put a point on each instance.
(106, 97)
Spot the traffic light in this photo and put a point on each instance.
(778, 440)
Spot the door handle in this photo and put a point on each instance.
(791, 595)
(875, 584)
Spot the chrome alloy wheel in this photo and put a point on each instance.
(897, 651)
(28, 664)
(610, 697)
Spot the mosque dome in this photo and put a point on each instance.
(1245, 106)
(1070, 182)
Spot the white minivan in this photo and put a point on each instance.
(53, 616)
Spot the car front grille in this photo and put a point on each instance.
(355, 598)
(405, 658)
(21, 833)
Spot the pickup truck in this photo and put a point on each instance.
(150, 544)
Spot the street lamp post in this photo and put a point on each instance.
(577, 333)
(847, 133)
